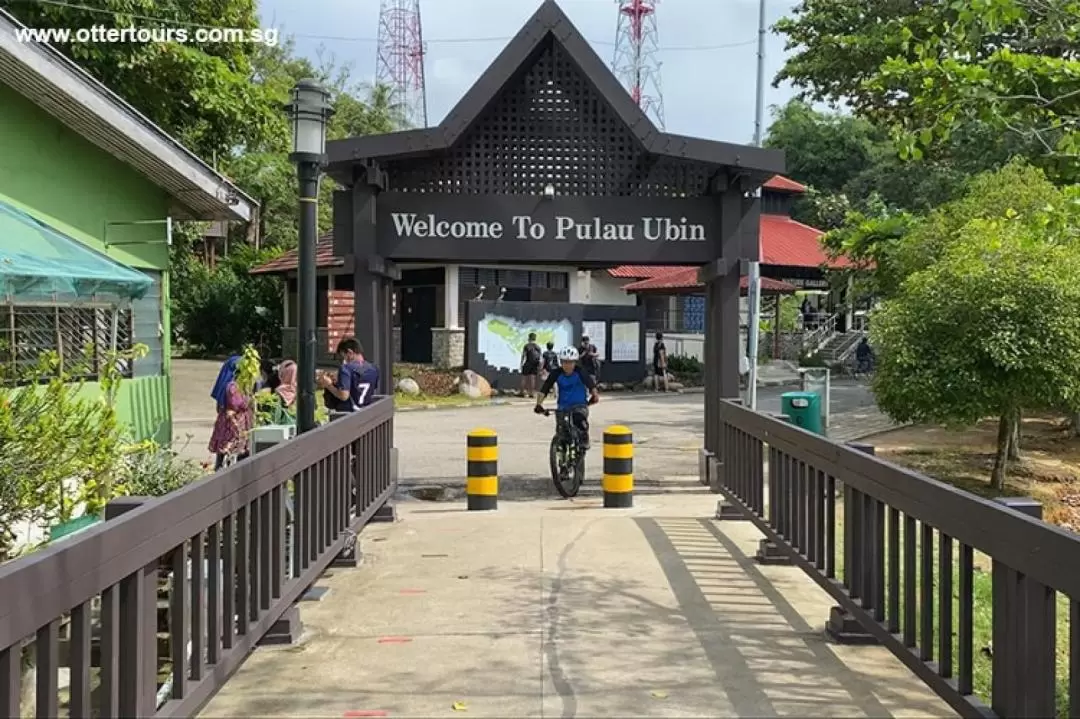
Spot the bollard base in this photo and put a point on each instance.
(769, 553)
(843, 628)
(385, 513)
(348, 559)
(714, 467)
(285, 630)
(618, 500)
(483, 502)
(703, 466)
(729, 512)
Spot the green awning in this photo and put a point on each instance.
(40, 263)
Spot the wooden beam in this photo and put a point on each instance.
(716, 268)
(379, 265)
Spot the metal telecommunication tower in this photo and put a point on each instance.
(400, 61)
(635, 60)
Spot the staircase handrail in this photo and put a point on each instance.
(814, 340)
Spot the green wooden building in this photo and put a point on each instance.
(90, 190)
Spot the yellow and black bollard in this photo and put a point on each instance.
(482, 483)
(618, 467)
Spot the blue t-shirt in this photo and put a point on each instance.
(574, 388)
(361, 379)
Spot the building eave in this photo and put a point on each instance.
(61, 88)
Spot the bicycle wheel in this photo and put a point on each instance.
(567, 478)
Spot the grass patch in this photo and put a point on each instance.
(455, 400)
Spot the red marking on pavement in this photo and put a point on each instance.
(394, 640)
(364, 713)
(414, 591)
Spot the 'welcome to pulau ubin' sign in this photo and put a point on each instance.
(511, 228)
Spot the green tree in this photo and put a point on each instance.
(202, 93)
(826, 150)
(985, 317)
(217, 310)
(928, 70)
(990, 329)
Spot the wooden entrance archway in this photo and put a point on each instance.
(547, 160)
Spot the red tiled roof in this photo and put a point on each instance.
(789, 243)
(686, 278)
(784, 184)
(643, 272)
(287, 261)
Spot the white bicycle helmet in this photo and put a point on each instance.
(568, 354)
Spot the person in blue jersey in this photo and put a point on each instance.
(357, 379)
(577, 390)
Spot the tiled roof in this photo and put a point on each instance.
(686, 278)
(643, 272)
(789, 243)
(287, 261)
(784, 184)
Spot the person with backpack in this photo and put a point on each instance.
(549, 362)
(530, 365)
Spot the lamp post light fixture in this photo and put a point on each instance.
(309, 112)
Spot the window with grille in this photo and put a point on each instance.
(550, 127)
(81, 336)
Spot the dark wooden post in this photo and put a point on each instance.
(1024, 635)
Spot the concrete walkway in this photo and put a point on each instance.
(565, 609)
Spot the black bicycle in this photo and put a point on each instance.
(567, 455)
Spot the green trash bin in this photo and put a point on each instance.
(804, 409)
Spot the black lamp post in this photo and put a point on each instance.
(309, 112)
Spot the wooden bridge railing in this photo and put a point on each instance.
(151, 612)
(904, 554)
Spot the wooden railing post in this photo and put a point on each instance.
(864, 563)
(768, 551)
(1024, 635)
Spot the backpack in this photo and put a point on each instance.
(532, 353)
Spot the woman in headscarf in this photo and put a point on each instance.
(286, 388)
(235, 416)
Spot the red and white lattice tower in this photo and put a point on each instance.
(400, 61)
(635, 61)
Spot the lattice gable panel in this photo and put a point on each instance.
(549, 127)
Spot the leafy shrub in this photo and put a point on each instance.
(218, 310)
(150, 470)
(687, 369)
(65, 454)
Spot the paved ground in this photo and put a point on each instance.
(667, 429)
(564, 609)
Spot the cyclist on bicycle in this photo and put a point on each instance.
(577, 390)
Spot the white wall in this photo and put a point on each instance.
(599, 288)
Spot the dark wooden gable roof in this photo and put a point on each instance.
(549, 111)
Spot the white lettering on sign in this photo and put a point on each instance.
(662, 228)
(524, 227)
(407, 224)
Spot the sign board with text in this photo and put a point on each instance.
(573, 230)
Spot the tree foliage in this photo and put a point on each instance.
(217, 310)
(987, 319)
(201, 93)
(928, 70)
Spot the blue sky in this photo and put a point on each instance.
(707, 92)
